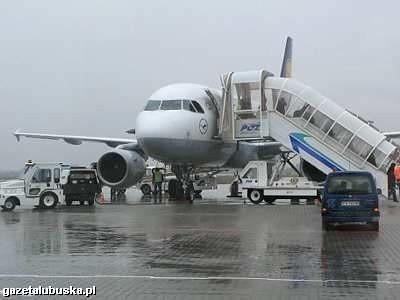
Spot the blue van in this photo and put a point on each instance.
(350, 197)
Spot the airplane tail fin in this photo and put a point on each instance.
(286, 70)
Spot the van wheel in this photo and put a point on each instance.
(146, 189)
(375, 226)
(255, 196)
(9, 205)
(48, 200)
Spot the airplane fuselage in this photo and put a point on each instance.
(179, 126)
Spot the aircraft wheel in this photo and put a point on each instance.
(255, 196)
(172, 188)
(146, 189)
(9, 205)
(179, 191)
(48, 200)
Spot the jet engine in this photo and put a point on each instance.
(121, 168)
(311, 172)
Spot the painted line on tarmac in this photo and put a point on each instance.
(390, 282)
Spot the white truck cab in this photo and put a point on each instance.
(40, 185)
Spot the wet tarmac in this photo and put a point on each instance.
(215, 248)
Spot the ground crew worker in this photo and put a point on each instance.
(397, 175)
(157, 181)
(392, 183)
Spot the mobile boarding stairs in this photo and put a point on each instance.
(258, 106)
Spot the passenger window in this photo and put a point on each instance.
(198, 107)
(187, 105)
(340, 134)
(283, 102)
(171, 105)
(152, 105)
(275, 94)
(360, 147)
(376, 158)
(297, 108)
(57, 175)
(321, 121)
(309, 111)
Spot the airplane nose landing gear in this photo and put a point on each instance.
(183, 185)
(175, 189)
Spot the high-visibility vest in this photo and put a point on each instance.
(397, 172)
(157, 177)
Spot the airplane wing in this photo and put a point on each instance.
(393, 134)
(74, 139)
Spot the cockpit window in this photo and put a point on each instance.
(171, 105)
(187, 105)
(153, 105)
(198, 107)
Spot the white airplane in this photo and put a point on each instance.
(178, 126)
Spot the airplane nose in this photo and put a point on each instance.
(157, 125)
(163, 125)
(157, 132)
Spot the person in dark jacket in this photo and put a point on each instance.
(392, 182)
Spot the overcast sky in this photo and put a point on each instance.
(87, 67)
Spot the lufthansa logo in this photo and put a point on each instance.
(203, 126)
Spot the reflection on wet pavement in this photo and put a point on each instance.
(246, 249)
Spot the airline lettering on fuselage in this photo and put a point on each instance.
(249, 127)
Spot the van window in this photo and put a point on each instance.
(82, 175)
(350, 184)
